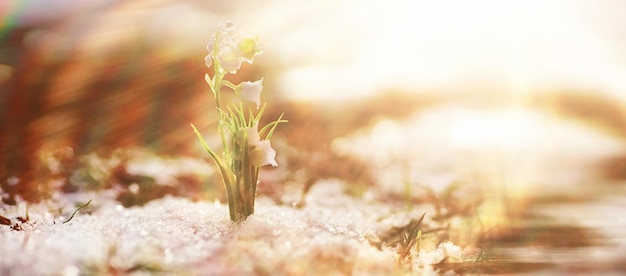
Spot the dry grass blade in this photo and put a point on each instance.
(76, 211)
(404, 237)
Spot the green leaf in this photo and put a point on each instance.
(227, 176)
(273, 126)
(259, 114)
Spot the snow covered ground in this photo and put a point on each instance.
(332, 235)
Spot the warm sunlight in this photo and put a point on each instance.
(425, 45)
(326, 137)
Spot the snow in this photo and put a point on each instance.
(518, 147)
(177, 235)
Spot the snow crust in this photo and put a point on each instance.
(330, 236)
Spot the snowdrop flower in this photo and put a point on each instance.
(253, 135)
(251, 91)
(262, 152)
(243, 150)
(231, 49)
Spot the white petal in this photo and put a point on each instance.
(263, 154)
(227, 26)
(253, 136)
(229, 57)
(251, 91)
(208, 60)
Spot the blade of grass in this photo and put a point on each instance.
(76, 211)
(273, 126)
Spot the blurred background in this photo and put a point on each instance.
(431, 85)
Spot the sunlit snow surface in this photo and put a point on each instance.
(508, 145)
(180, 236)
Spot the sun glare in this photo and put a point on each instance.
(420, 45)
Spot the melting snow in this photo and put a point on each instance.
(177, 235)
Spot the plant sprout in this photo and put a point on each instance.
(245, 148)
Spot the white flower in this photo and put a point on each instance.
(231, 48)
(251, 91)
(253, 136)
(230, 59)
(262, 152)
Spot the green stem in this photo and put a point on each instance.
(217, 84)
(248, 200)
(255, 176)
(230, 85)
(244, 187)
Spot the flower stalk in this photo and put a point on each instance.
(244, 148)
